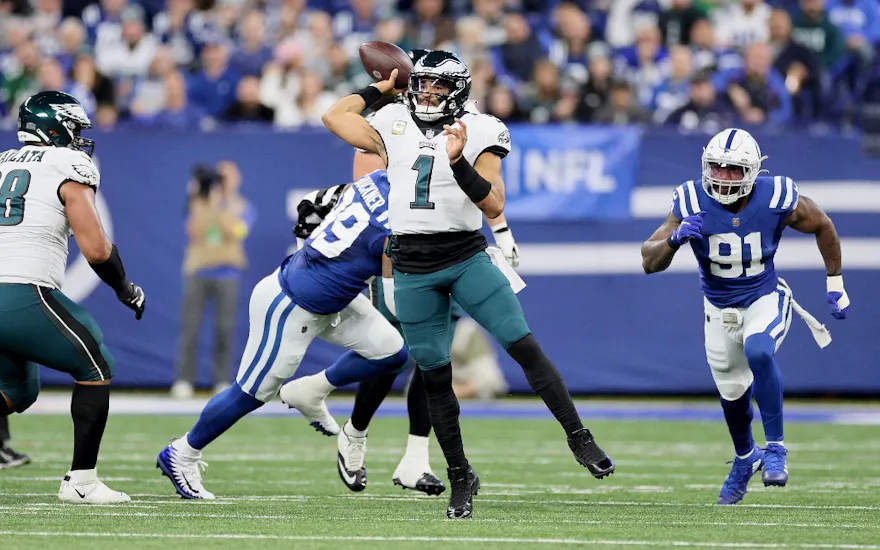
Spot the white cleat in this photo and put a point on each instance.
(84, 487)
(416, 474)
(184, 469)
(352, 450)
(308, 395)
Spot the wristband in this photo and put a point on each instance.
(672, 244)
(475, 186)
(370, 94)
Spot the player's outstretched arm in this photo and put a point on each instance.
(364, 163)
(807, 217)
(101, 253)
(344, 117)
(657, 251)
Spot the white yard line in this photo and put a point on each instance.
(67, 510)
(446, 540)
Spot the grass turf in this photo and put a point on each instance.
(278, 488)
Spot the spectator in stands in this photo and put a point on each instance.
(212, 88)
(482, 79)
(71, 40)
(428, 27)
(148, 97)
(393, 30)
(317, 36)
(674, 91)
(707, 54)
(543, 97)
(85, 74)
(252, 53)
(129, 53)
(742, 23)
(813, 29)
(569, 50)
(627, 17)
(858, 21)
(491, 13)
(103, 20)
(517, 57)
(341, 73)
(354, 24)
(469, 41)
(623, 109)
(50, 76)
(596, 93)
(219, 220)
(20, 79)
(704, 112)
(799, 66)
(183, 29)
(758, 92)
(501, 104)
(643, 65)
(310, 104)
(44, 21)
(676, 22)
(15, 7)
(177, 113)
(247, 106)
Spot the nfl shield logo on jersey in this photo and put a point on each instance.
(735, 222)
(429, 133)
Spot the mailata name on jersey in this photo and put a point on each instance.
(343, 252)
(737, 249)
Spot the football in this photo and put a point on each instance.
(380, 58)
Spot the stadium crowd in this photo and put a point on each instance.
(205, 63)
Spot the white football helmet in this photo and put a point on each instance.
(731, 147)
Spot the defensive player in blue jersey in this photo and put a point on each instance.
(317, 292)
(733, 222)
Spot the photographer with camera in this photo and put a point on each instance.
(219, 220)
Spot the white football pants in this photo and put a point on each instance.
(727, 330)
(281, 331)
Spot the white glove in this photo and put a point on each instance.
(504, 240)
(388, 292)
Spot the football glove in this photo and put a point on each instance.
(691, 228)
(504, 240)
(133, 298)
(836, 296)
(388, 295)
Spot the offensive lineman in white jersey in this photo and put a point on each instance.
(47, 189)
(444, 166)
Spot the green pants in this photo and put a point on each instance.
(377, 294)
(423, 303)
(43, 326)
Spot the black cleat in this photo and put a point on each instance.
(356, 480)
(465, 484)
(589, 455)
(428, 484)
(11, 459)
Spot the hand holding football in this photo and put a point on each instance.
(380, 58)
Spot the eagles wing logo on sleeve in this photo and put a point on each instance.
(504, 137)
(87, 172)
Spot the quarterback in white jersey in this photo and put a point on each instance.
(47, 190)
(444, 167)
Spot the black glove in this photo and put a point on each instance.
(133, 298)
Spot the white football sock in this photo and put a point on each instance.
(780, 443)
(351, 432)
(184, 447)
(417, 448)
(747, 455)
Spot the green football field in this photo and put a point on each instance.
(278, 488)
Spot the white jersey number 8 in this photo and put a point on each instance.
(730, 264)
(341, 227)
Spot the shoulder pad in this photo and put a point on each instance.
(686, 200)
(785, 194)
(75, 166)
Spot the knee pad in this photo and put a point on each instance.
(428, 356)
(732, 381)
(731, 390)
(759, 350)
(396, 363)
